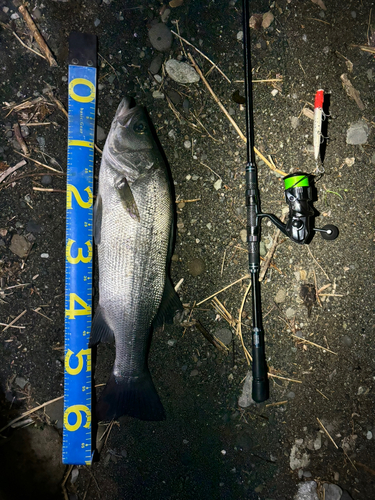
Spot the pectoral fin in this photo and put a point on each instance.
(127, 198)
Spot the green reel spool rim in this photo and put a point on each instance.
(296, 180)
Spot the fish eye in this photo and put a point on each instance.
(140, 128)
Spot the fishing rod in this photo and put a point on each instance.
(299, 226)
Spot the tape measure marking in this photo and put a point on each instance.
(77, 447)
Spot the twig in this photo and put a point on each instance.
(188, 201)
(201, 53)
(233, 123)
(277, 404)
(13, 326)
(37, 310)
(224, 313)
(304, 341)
(27, 47)
(285, 378)
(222, 263)
(38, 162)
(317, 263)
(15, 319)
(316, 290)
(37, 36)
(222, 290)
(320, 20)
(70, 468)
(270, 252)
(110, 65)
(37, 174)
(321, 394)
(239, 326)
(10, 170)
(300, 64)
(33, 410)
(209, 168)
(32, 124)
(328, 434)
(365, 468)
(20, 139)
(211, 338)
(368, 26)
(49, 190)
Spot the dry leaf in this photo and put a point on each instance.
(351, 91)
(176, 3)
(320, 3)
(308, 112)
(349, 65)
(256, 21)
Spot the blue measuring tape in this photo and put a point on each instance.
(77, 447)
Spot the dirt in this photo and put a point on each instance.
(208, 447)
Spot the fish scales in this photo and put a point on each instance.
(133, 259)
(132, 228)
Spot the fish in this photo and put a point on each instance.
(134, 231)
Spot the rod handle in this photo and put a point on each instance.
(260, 389)
(260, 392)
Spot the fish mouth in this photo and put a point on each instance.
(125, 111)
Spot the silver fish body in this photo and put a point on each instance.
(133, 223)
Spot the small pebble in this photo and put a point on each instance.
(74, 475)
(243, 235)
(224, 335)
(100, 134)
(157, 94)
(181, 72)
(160, 37)
(196, 267)
(336, 476)
(156, 64)
(280, 296)
(187, 144)
(274, 92)
(307, 474)
(44, 255)
(21, 382)
(96, 22)
(294, 121)
(46, 180)
(290, 312)
(369, 435)
(218, 184)
(194, 373)
(291, 395)
(346, 340)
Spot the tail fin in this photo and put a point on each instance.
(133, 396)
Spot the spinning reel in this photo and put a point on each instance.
(299, 227)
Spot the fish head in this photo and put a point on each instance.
(130, 135)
